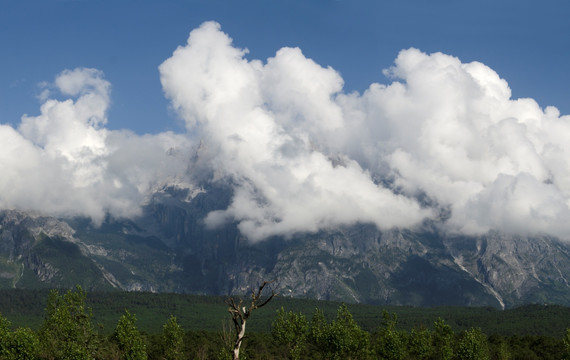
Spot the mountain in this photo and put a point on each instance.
(169, 249)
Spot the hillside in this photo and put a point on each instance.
(169, 249)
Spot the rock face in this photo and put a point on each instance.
(40, 251)
(518, 269)
(170, 249)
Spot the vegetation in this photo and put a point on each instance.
(172, 340)
(67, 332)
(25, 308)
(292, 331)
(128, 338)
(22, 343)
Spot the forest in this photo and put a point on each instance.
(65, 325)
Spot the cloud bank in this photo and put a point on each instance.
(443, 137)
(64, 162)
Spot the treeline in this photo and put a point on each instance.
(342, 338)
(25, 308)
(67, 332)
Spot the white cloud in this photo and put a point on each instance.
(269, 125)
(301, 154)
(453, 132)
(64, 162)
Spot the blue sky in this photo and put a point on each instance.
(307, 127)
(525, 42)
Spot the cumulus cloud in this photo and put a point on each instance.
(441, 137)
(455, 134)
(304, 155)
(268, 125)
(64, 162)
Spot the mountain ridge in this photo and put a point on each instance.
(170, 249)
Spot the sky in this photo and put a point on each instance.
(319, 113)
(526, 42)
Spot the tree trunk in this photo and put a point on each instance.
(240, 314)
(239, 340)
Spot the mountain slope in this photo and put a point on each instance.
(169, 249)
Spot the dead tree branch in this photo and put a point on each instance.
(241, 313)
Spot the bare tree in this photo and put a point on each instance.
(240, 313)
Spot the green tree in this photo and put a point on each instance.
(292, 330)
(5, 334)
(473, 345)
(129, 339)
(24, 344)
(503, 351)
(67, 332)
(419, 343)
(172, 340)
(318, 329)
(442, 341)
(21, 344)
(566, 342)
(391, 343)
(342, 338)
